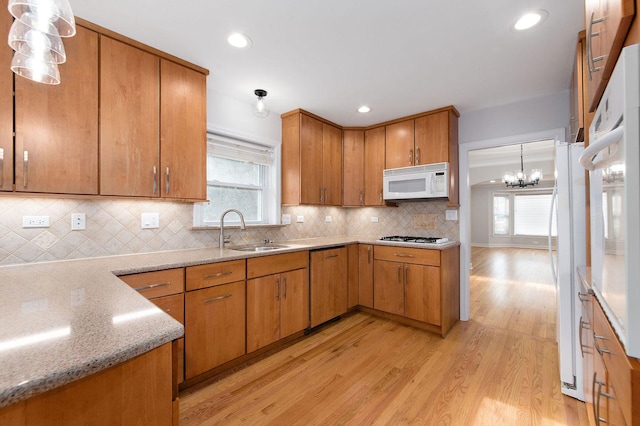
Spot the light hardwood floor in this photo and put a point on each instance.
(499, 368)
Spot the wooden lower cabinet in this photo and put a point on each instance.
(136, 392)
(352, 274)
(418, 284)
(329, 284)
(277, 307)
(214, 327)
(365, 275)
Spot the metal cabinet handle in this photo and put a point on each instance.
(215, 299)
(410, 156)
(402, 255)
(167, 310)
(155, 179)
(417, 156)
(361, 198)
(321, 200)
(168, 181)
(399, 274)
(597, 400)
(147, 287)
(277, 288)
(326, 195)
(219, 274)
(598, 348)
(406, 274)
(2, 168)
(580, 337)
(381, 196)
(583, 297)
(369, 254)
(284, 293)
(25, 168)
(591, 61)
(330, 256)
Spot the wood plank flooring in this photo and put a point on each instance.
(499, 368)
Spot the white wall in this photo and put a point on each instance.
(530, 116)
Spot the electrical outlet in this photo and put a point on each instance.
(327, 219)
(78, 221)
(35, 221)
(299, 219)
(451, 214)
(150, 220)
(374, 219)
(286, 219)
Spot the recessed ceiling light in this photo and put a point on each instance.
(239, 40)
(492, 181)
(364, 109)
(530, 19)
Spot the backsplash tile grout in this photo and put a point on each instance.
(113, 227)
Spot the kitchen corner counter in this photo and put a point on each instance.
(65, 320)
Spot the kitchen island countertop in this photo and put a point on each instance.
(65, 320)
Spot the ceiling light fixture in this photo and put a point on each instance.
(259, 107)
(519, 178)
(531, 19)
(364, 109)
(35, 37)
(239, 40)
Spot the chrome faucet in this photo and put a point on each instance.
(242, 226)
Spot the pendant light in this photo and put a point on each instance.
(519, 178)
(35, 36)
(259, 107)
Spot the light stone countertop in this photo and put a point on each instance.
(65, 320)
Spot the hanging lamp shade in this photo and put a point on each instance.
(35, 69)
(48, 16)
(36, 44)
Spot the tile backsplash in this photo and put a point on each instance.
(113, 227)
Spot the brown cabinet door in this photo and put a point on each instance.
(263, 311)
(374, 165)
(388, 287)
(331, 165)
(353, 168)
(422, 287)
(214, 327)
(6, 107)
(365, 275)
(57, 126)
(400, 144)
(294, 302)
(328, 284)
(311, 191)
(432, 138)
(183, 132)
(352, 272)
(129, 120)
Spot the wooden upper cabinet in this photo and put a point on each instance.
(6, 107)
(311, 160)
(331, 165)
(353, 168)
(400, 139)
(432, 138)
(129, 120)
(374, 165)
(57, 126)
(607, 23)
(183, 132)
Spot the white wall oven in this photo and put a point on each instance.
(613, 159)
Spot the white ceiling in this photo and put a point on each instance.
(331, 56)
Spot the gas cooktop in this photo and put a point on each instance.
(415, 240)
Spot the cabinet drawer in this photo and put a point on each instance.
(407, 255)
(274, 264)
(614, 358)
(173, 305)
(203, 276)
(158, 283)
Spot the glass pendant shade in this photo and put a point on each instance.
(45, 15)
(259, 107)
(35, 69)
(36, 44)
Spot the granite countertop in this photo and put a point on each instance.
(65, 320)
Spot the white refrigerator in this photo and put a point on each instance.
(571, 252)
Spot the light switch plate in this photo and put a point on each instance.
(374, 219)
(150, 220)
(286, 219)
(452, 214)
(299, 219)
(327, 218)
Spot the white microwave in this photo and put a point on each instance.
(416, 182)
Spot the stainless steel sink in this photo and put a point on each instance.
(258, 247)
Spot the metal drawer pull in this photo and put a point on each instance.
(147, 287)
(595, 344)
(333, 255)
(167, 310)
(583, 297)
(25, 168)
(219, 274)
(214, 299)
(402, 255)
(168, 181)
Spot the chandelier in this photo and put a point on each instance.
(519, 178)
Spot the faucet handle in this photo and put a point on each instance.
(268, 241)
(227, 239)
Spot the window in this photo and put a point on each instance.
(240, 175)
(501, 214)
(531, 215)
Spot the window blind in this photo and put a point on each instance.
(232, 149)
